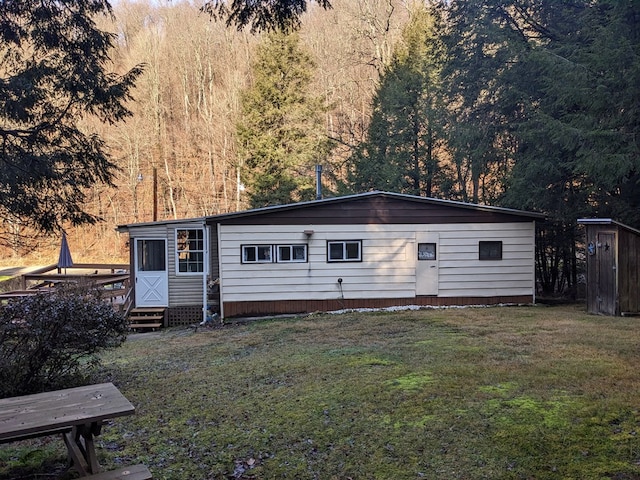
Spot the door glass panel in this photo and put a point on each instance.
(426, 251)
(151, 255)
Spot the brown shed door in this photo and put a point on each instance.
(606, 273)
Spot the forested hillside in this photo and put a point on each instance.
(186, 107)
(532, 105)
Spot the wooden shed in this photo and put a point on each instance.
(369, 250)
(613, 263)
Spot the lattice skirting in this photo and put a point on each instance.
(185, 315)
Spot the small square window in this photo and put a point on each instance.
(426, 251)
(490, 250)
(336, 251)
(284, 254)
(300, 252)
(344, 251)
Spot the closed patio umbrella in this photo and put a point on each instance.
(64, 260)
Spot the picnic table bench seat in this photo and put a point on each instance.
(133, 472)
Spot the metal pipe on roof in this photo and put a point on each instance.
(318, 182)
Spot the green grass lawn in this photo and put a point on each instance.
(495, 393)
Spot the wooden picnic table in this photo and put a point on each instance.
(76, 413)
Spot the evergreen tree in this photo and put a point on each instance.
(576, 156)
(261, 14)
(280, 134)
(482, 48)
(400, 153)
(52, 73)
(550, 90)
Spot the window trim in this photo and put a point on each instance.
(256, 246)
(188, 251)
(484, 254)
(344, 251)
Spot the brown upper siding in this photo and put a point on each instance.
(375, 209)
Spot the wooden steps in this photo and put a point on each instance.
(150, 317)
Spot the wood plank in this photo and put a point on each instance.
(102, 266)
(19, 293)
(51, 411)
(145, 325)
(111, 278)
(136, 316)
(134, 472)
(80, 463)
(61, 277)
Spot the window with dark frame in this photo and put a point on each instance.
(344, 251)
(256, 253)
(292, 253)
(274, 253)
(190, 250)
(490, 250)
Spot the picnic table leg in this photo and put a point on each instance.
(81, 448)
(90, 452)
(76, 457)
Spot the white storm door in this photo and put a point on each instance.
(152, 274)
(427, 254)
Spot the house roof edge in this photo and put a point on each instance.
(344, 198)
(376, 193)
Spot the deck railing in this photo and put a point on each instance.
(112, 279)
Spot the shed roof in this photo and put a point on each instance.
(606, 221)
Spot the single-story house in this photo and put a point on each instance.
(613, 267)
(374, 250)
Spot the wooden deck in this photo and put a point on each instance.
(112, 279)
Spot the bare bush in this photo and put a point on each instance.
(51, 340)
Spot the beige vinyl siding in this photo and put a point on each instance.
(462, 274)
(148, 231)
(183, 289)
(388, 269)
(384, 256)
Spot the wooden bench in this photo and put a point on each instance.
(134, 472)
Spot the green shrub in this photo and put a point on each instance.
(50, 340)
